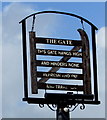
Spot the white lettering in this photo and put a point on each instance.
(65, 42)
(66, 76)
(42, 51)
(52, 52)
(49, 86)
(51, 75)
(64, 53)
(74, 76)
(77, 54)
(58, 75)
(73, 65)
(61, 42)
(44, 63)
(51, 41)
(60, 87)
(58, 64)
(73, 88)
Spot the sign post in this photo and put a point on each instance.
(62, 113)
(45, 79)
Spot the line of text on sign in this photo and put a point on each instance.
(61, 42)
(60, 64)
(59, 75)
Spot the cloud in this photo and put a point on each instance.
(101, 57)
(101, 46)
(100, 36)
(11, 16)
(13, 106)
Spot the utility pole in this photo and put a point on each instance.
(62, 113)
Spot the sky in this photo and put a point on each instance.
(12, 69)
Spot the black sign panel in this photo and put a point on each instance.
(60, 75)
(58, 53)
(58, 41)
(59, 64)
(60, 87)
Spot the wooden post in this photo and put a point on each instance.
(33, 63)
(86, 62)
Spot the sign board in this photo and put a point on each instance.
(44, 76)
(59, 64)
(58, 41)
(60, 87)
(60, 75)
